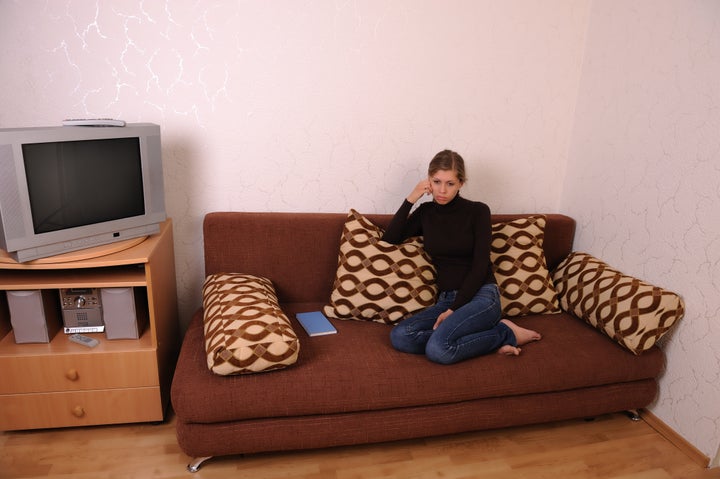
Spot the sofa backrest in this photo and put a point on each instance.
(299, 251)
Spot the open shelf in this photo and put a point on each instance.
(61, 344)
(105, 277)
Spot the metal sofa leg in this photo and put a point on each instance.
(633, 414)
(196, 462)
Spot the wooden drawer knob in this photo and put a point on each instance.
(78, 411)
(72, 374)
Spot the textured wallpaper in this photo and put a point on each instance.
(308, 106)
(331, 105)
(644, 181)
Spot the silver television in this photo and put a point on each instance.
(68, 188)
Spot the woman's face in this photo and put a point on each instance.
(445, 186)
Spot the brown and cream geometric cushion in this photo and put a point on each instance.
(521, 272)
(633, 313)
(245, 329)
(378, 281)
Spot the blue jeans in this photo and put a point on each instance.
(472, 330)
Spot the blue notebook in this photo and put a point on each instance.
(315, 323)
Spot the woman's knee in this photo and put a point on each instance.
(439, 352)
(400, 340)
(396, 336)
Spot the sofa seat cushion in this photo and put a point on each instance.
(358, 370)
(245, 329)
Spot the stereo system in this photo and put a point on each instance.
(37, 315)
(81, 310)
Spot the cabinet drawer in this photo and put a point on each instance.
(72, 372)
(81, 408)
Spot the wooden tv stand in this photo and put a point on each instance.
(61, 383)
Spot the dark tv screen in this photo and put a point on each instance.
(78, 183)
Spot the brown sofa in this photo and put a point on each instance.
(353, 388)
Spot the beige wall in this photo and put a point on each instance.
(643, 178)
(309, 106)
(327, 106)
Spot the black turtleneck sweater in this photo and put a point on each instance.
(456, 236)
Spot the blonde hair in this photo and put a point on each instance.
(448, 160)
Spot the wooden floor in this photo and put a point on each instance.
(610, 447)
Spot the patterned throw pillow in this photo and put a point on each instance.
(376, 280)
(516, 252)
(631, 312)
(245, 329)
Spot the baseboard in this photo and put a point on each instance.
(676, 439)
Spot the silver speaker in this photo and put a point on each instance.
(34, 315)
(124, 312)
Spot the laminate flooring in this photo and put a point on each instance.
(609, 447)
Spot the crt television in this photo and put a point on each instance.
(67, 188)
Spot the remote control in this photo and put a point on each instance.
(84, 340)
(93, 122)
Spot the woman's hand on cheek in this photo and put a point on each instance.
(422, 188)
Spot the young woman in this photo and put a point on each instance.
(466, 320)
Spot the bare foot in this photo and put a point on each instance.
(508, 350)
(522, 335)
